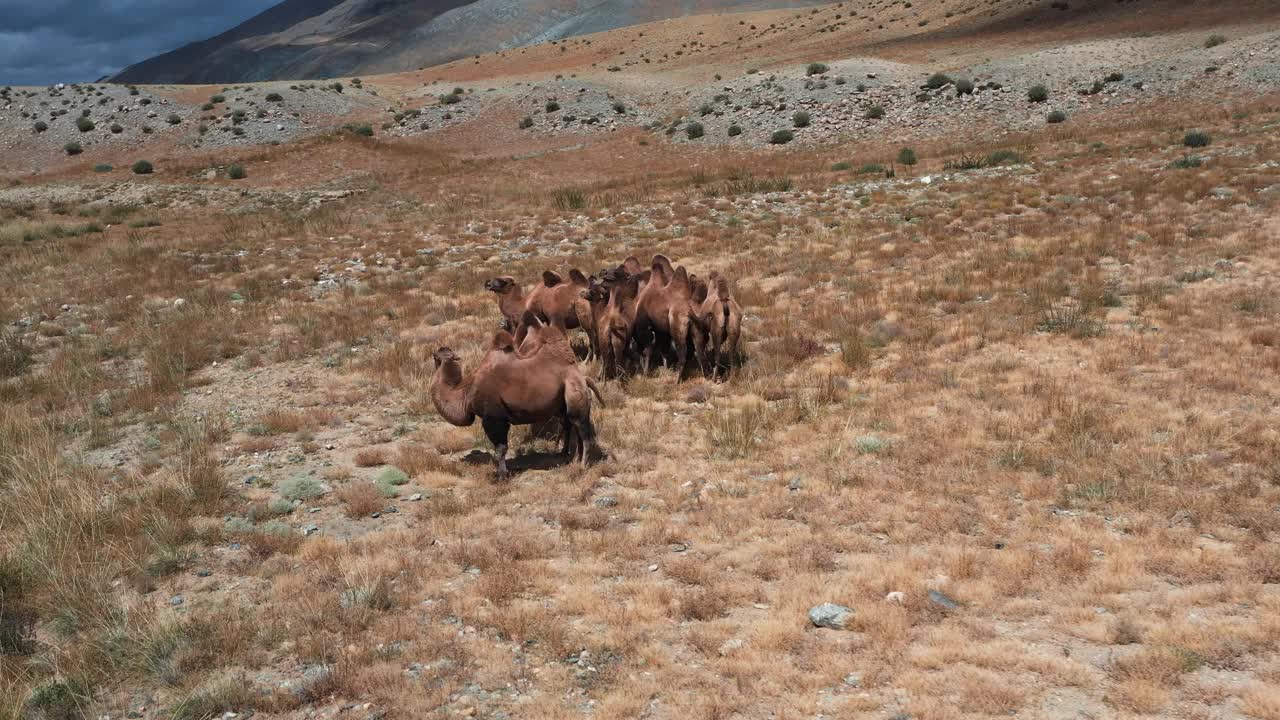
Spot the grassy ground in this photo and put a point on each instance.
(1043, 388)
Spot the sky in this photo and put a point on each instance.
(50, 41)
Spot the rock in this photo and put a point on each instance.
(942, 601)
(310, 529)
(102, 404)
(896, 597)
(731, 645)
(853, 679)
(203, 573)
(177, 600)
(607, 501)
(830, 615)
(794, 484)
(416, 497)
(1222, 193)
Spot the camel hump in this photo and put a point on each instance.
(680, 277)
(632, 265)
(722, 289)
(699, 292)
(504, 342)
(662, 267)
(551, 279)
(577, 278)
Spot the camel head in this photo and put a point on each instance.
(596, 293)
(501, 285)
(448, 365)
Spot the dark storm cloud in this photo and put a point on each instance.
(50, 41)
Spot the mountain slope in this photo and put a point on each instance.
(300, 39)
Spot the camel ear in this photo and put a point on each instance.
(722, 289)
(681, 277)
(551, 279)
(504, 342)
(577, 278)
(632, 265)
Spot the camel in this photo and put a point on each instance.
(617, 326)
(508, 389)
(555, 300)
(665, 310)
(717, 324)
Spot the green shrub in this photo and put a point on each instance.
(206, 107)
(72, 148)
(1215, 40)
(735, 130)
(337, 87)
(815, 69)
(40, 126)
(526, 123)
(1186, 162)
(781, 137)
(964, 86)
(1003, 157)
(143, 167)
(875, 112)
(300, 487)
(236, 172)
(938, 80)
(694, 130)
(800, 119)
(1055, 117)
(843, 165)
(1196, 139)
(1038, 93)
(275, 97)
(103, 168)
(907, 156)
(362, 130)
(116, 129)
(1114, 77)
(217, 99)
(450, 99)
(84, 124)
(552, 106)
(620, 108)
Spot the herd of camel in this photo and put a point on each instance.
(633, 318)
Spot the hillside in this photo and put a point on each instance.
(304, 39)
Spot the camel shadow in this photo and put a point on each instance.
(520, 463)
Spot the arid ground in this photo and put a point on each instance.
(1016, 405)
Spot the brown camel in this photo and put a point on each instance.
(717, 325)
(664, 312)
(506, 389)
(555, 300)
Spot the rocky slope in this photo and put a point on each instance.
(303, 39)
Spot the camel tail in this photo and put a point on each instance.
(592, 384)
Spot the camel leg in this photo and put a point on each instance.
(572, 442)
(497, 429)
(587, 434)
(680, 338)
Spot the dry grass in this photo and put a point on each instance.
(1011, 387)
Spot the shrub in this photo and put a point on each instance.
(620, 108)
(694, 130)
(815, 69)
(236, 172)
(72, 148)
(1055, 117)
(735, 130)
(337, 87)
(40, 126)
(174, 119)
(1038, 93)
(102, 168)
(116, 129)
(217, 99)
(143, 167)
(1003, 157)
(1196, 139)
(526, 123)
(964, 86)
(300, 487)
(1114, 77)
(1215, 40)
(875, 112)
(84, 124)
(907, 156)
(782, 137)
(552, 106)
(938, 80)
(1187, 162)
(275, 97)
(450, 99)
(843, 165)
(800, 119)
(362, 130)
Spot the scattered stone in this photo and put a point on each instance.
(853, 680)
(830, 615)
(310, 529)
(794, 484)
(177, 600)
(896, 597)
(415, 497)
(607, 501)
(942, 601)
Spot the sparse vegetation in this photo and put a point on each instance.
(1196, 139)
(237, 172)
(937, 81)
(907, 156)
(694, 130)
(143, 167)
(526, 123)
(800, 119)
(84, 124)
(781, 137)
(875, 112)
(1055, 117)
(72, 148)
(816, 68)
(734, 130)
(1038, 94)
(1215, 40)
